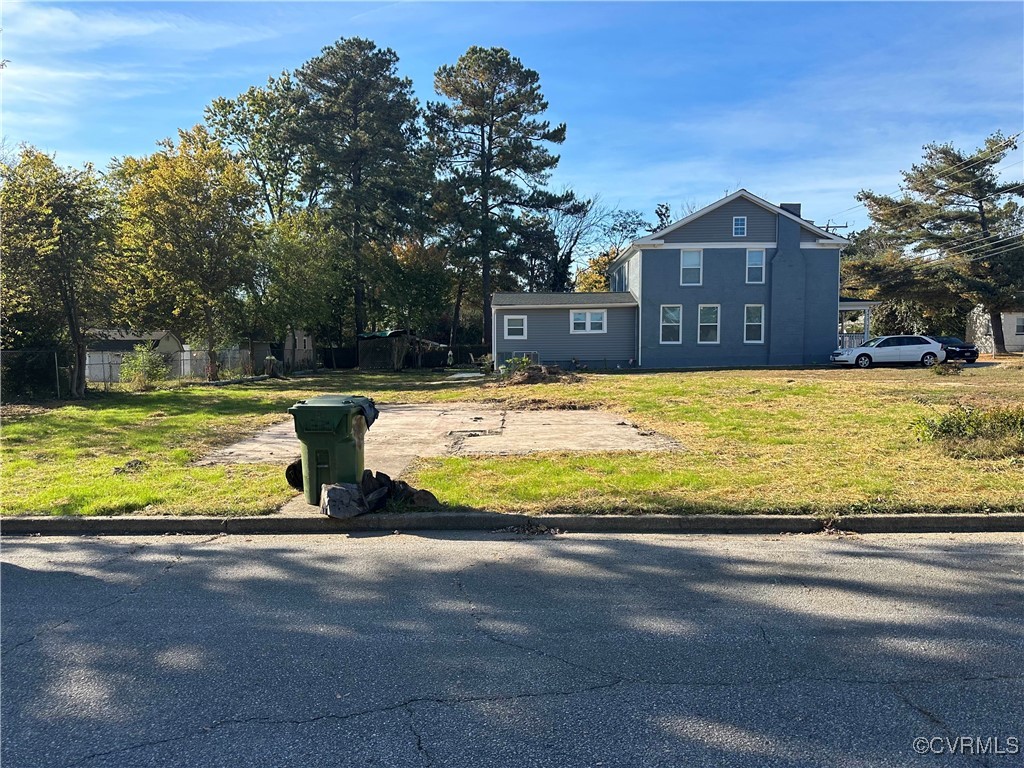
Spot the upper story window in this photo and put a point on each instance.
(588, 321)
(739, 226)
(755, 265)
(691, 267)
(515, 326)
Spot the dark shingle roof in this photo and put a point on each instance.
(562, 299)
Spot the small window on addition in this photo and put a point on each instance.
(515, 326)
(739, 226)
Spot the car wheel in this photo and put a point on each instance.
(863, 361)
(929, 359)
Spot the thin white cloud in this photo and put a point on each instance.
(30, 29)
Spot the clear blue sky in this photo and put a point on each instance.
(677, 102)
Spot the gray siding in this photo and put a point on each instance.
(724, 283)
(548, 335)
(800, 298)
(807, 236)
(716, 226)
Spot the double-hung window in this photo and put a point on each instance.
(753, 324)
(671, 324)
(755, 265)
(1020, 326)
(739, 226)
(515, 326)
(691, 267)
(588, 321)
(707, 323)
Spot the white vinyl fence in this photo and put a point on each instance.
(105, 367)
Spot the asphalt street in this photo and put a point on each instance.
(504, 649)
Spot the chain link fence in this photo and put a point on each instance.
(34, 374)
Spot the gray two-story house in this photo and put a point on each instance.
(741, 282)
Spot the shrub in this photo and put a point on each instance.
(516, 364)
(953, 368)
(142, 367)
(971, 432)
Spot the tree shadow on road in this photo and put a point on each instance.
(500, 649)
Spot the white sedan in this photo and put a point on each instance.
(892, 349)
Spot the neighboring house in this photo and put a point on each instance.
(297, 351)
(979, 330)
(106, 346)
(741, 282)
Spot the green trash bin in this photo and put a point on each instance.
(331, 429)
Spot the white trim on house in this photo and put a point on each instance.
(494, 337)
(662, 324)
(639, 311)
(588, 320)
(745, 324)
(822, 244)
(516, 337)
(718, 323)
(520, 307)
(763, 266)
(700, 267)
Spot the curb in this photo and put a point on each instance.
(490, 521)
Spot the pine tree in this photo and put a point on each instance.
(962, 223)
(493, 148)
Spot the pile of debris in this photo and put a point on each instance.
(539, 374)
(371, 494)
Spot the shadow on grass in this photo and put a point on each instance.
(496, 649)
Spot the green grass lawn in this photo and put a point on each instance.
(809, 440)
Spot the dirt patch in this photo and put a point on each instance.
(536, 404)
(538, 374)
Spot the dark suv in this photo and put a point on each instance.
(957, 349)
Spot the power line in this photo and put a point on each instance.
(950, 257)
(961, 250)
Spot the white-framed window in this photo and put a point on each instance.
(739, 226)
(707, 323)
(588, 321)
(671, 324)
(515, 326)
(1020, 326)
(753, 324)
(755, 265)
(691, 266)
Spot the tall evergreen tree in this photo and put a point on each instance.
(956, 213)
(359, 121)
(493, 145)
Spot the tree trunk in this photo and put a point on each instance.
(213, 372)
(998, 339)
(78, 375)
(485, 266)
(457, 310)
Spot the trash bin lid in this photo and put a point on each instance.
(328, 409)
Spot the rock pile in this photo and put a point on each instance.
(372, 494)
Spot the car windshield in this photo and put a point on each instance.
(950, 340)
(873, 342)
